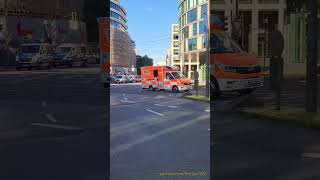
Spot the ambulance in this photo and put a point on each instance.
(164, 78)
(232, 69)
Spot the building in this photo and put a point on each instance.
(168, 57)
(175, 41)
(23, 21)
(193, 37)
(122, 53)
(259, 18)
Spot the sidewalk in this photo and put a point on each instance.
(7, 68)
(201, 94)
(261, 104)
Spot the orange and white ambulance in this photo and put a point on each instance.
(232, 69)
(164, 78)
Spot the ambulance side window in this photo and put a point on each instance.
(155, 73)
(168, 76)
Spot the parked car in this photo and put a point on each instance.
(70, 54)
(121, 79)
(34, 55)
(133, 78)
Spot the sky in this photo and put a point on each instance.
(149, 25)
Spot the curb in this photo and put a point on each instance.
(190, 97)
(291, 121)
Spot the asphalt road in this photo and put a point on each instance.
(154, 132)
(247, 148)
(53, 124)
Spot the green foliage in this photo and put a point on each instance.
(143, 61)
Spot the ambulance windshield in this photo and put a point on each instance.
(177, 75)
(220, 42)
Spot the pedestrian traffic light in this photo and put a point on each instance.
(226, 23)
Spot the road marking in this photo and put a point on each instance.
(154, 112)
(126, 146)
(311, 155)
(172, 106)
(56, 126)
(160, 105)
(207, 110)
(127, 101)
(50, 117)
(208, 129)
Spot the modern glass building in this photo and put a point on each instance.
(193, 41)
(122, 54)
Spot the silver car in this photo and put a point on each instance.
(121, 79)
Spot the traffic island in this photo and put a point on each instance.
(285, 114)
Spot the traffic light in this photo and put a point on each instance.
(227, 22)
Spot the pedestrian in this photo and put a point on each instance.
(196, 80)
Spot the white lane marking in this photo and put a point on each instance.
(125, 98)
(207, 110)
(165, 106)
(126, 146)
(160, 105)
(208, 129)
(56, 126)
(172, 106)
(43, 104)
(50, 117)
(127, 101)
(154, 112)
(311, 155)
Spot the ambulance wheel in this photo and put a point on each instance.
(151, 88)
(214, 88)
(175, 89)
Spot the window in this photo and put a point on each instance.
(175, 37)
(185, 32)
(155, 73)
(202, 27)
(176, 52)
(194, 29)
(192, 15)
(204, 10)
(169, 76)
(192, 44)
(204, 41)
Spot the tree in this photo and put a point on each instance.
(142, 62)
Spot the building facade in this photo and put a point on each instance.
(122, 47)
(174, 50)
(193, 37)
(168, 57)
(23, 21)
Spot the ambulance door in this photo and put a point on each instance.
(160, 79)
(167, 81)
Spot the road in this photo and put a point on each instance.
(53, 124)
(258, 148)
(155, 132)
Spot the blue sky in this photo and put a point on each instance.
(149, 23)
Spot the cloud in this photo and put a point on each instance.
(149, 9)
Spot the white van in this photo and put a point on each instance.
(36, 55)
(70, 54)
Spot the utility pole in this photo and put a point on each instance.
(311, 74)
